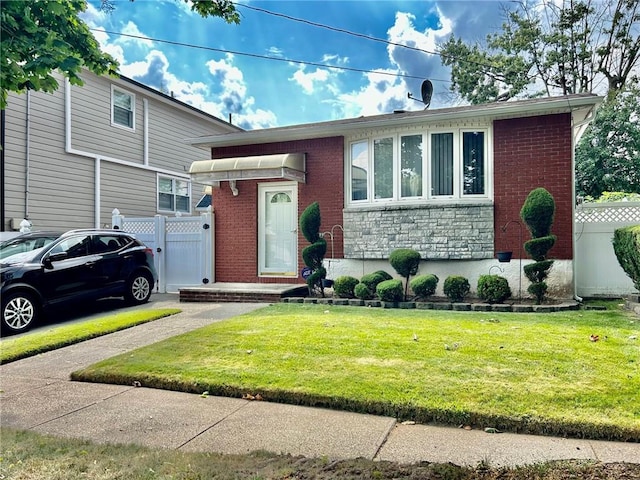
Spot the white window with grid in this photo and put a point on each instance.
(174, 194)
(436, 164)
(123, 108)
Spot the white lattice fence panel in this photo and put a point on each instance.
(608, 213)
(598, 272)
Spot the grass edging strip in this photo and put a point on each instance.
(12, 349)
(477, 420)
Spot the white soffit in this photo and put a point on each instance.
(290, 166)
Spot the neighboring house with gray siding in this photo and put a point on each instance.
(71, 157)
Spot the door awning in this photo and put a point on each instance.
(290, 166)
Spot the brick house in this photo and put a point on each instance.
(447, 182)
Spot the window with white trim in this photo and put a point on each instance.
(438, 164)
(123, 108)
(174, 194)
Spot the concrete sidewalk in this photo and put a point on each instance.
(37, 395)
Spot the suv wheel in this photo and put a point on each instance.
(19, 311)
(139, 288)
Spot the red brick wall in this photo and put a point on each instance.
(529, 153)
(236, 218)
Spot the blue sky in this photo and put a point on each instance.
(199, 68)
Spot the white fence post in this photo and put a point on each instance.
(206, 243)
(116, 219)
(160, 231)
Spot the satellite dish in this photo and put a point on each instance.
(426, 91)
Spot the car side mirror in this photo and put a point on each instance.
(54, 257)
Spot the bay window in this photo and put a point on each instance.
(438, 165)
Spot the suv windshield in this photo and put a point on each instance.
(20, 245)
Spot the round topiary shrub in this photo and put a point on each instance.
(424, 285)
(538, 212)
(493, 288)
(362, 292)
(390, 291)
(537, 248)
(456, 288)
(344, 285)
(371, 280)
(383, 274)
(406, 262)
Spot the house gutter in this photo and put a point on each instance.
(68, 148)
(493, 111)
(577, 130)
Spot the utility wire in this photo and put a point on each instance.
(265, 57)
(356, 34)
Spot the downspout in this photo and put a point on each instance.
(145, 133)
(27, 166)
(69, 149)
(3, 119)
(577, 129)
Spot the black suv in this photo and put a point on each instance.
(39, 270)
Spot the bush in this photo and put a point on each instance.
(538, 211)
(343, 286)
(493, 288)
(390, 291)
(626, 245)
(537, 248)
(313, 255)
(371, 280)
(424, 285)
(406, 262)
(383, 274)
(362, 292)
(537, 272)
(456, 288)
(538, 290)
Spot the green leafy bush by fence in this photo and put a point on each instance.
(626, 245)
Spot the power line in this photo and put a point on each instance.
(264, 57)
(359, 35)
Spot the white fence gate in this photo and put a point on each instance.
(598, 272)
(182, 246)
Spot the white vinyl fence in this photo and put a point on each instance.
(598, 273)
(182, 247)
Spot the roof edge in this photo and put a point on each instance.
(495, 111)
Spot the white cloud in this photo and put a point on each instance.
(308, 81)
(132, 29)
(386, 93)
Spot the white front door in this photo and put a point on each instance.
(278, 229)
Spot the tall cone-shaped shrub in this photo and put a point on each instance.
(313, 255)
(537, 213)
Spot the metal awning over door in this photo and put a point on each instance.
(289, 166)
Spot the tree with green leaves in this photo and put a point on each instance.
(564, 46)
(38, 37)
(608, 155)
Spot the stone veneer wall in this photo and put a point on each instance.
(444, 232)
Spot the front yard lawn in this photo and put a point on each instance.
(567, 373)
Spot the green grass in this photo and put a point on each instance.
(30, 456)
(536, 373)
(12, 349)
